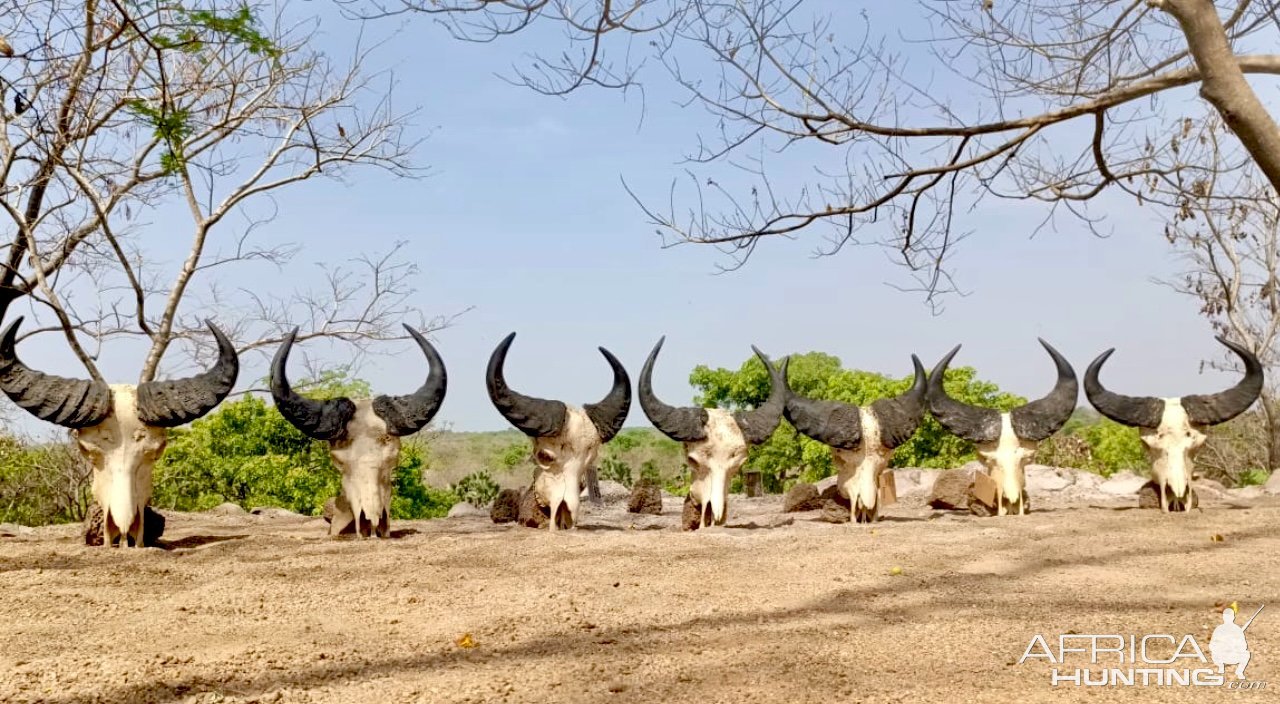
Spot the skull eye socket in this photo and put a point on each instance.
(693, 461)
(544, 457)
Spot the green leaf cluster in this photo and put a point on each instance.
(477, 489)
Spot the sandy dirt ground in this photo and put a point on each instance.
(924, 606)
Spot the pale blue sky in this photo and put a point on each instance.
(525, 219)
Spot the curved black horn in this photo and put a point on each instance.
(167, 404)
(406, 415)
(684, 424)
(71, 403)
(834, 423)
(1140, 411)
(609, 414)
(1043, 417)
(757, 425)
(536, 417)
(1221, 407)
(972, 423)
(900, 416)
(322, 420)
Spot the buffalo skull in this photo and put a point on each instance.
(1173, 428)
(1006, 442)
(566, 439)
(862, 439)
(120, 429)
(363, 436)
(715, 440)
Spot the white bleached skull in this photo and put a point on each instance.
(566, 439)
(1173, 429)
(121, 430)
(716, 441)
(1006, 442)
(862, 439)
(363, 436)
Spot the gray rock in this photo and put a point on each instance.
(646, 497)
(462, 509)
(802, 497)
(274, 512)
(506, 508)
(1248, 492)
(611, 492)
(1086, 481)
(227, 509)
(1042, 479)
(1209, 487)
(10, 530)
(1273, 484)
(1123, 484)
(913, 481)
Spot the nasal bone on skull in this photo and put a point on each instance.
(1177, 475)
(563, 489)
(364, 490)
(122, 506)
(1009, 460)
(717, 495)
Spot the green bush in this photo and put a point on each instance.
(1253, 477)
(614, 469)
(410, 498)
(42, 484)
(1114, 447)
(246, 453)
(477, 489)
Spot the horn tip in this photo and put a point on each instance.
(12, 328)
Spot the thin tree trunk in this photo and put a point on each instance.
(593, 487)
(1273, 432)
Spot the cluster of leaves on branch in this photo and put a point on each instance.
(192, 32)
(239, 27)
